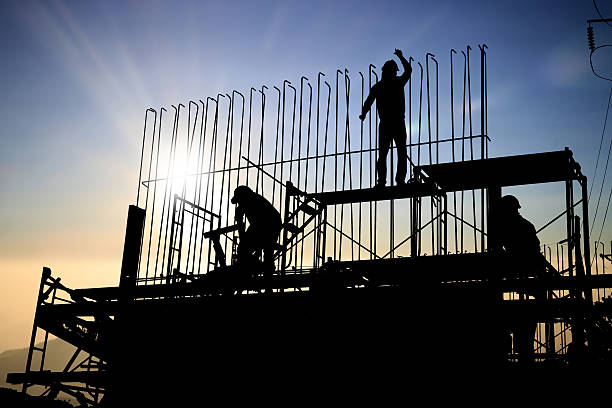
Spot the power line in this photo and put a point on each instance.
(602, 185)
(605, 215)
(591, 40)
(599, 12)
(600, 144)
(591, 61)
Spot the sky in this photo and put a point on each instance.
(77, 76)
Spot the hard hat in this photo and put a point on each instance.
(390, 66)
(241, 192)
(510, 202)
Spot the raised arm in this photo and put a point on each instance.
(407, 67)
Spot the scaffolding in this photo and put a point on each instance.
(341, 236)
(209, 147)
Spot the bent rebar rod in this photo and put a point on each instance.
(452, 109)
(199, 201)
(144, 134)
(170, 165)
(276, 141)
(429, 144)
(463, 139)
(469, 89)
(261, 140)
(249, 132)
(316, 181)
(161, 112)
(360, 163)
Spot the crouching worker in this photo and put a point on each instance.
(263, 230)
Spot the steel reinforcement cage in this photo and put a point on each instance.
(309, 134)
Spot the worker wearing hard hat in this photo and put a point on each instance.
(518, 235)
(519, 240)
(264, 225)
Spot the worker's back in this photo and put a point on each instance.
(390, 101)
(260, 212)
(519, 236)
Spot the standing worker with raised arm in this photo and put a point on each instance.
(391, 106)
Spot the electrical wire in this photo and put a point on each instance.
(593, 49)
(602, 185)
(603, 223)
(591, 61)
(599, 12)
(600, 144)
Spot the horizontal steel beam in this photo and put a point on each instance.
(409, 190)
(504, 171)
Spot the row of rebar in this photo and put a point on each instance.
(556, 255)
(191, 162)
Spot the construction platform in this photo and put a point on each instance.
(350, 318)
(535, 168)
(370, 285)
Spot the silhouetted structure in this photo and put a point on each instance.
(355, 292)
(391, 107)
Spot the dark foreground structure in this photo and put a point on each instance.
(343, 306)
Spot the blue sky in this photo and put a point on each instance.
(76, 77)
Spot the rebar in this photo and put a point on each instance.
(199, 170)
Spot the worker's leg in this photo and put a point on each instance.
(399, 136)
(525, 335)
(245, 247)
(268, 256)
(384, 140)
(268, 249)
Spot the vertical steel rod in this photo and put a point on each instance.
(452, 109)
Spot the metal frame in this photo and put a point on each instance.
(319, 247)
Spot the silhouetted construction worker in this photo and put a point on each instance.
(264, 225)
(518, 238)
(391, 107)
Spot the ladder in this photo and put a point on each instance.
(179, 208)
(312, 211)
